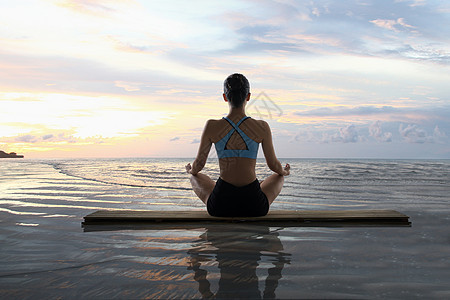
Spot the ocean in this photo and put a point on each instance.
(45, 253)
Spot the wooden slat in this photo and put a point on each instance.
(275, 216)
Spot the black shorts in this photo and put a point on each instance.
(227, 200)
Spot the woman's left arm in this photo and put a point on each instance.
(203, 150)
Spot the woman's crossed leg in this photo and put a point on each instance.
(203, 185)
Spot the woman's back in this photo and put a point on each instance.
(238, 171)
(237, 192)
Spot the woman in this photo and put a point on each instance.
(237, 192)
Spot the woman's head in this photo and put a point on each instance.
(236, 88)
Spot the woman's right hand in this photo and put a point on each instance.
(286, 170)
(188, 168)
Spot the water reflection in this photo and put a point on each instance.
(238, 251)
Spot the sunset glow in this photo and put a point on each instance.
(93, 78)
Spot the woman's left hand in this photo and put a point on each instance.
(287, 169)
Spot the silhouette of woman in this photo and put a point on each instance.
(237, 192)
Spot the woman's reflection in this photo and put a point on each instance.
(238, 249)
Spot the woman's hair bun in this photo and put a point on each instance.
(236, 87)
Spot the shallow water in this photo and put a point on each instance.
(45, 253)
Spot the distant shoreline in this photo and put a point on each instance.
(3, 154)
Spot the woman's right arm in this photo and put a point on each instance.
(203, 150)
(269, 152)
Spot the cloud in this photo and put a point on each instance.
(195, 141)
(376, 132)
(424, 114)
(175, 139)
(304, 136)
(340, 27)
(128, 86)
(413, 134)
(414, 2)
(425, 52)
(438, 133)
(394, 25)
(347, 134)
(346, 111)
(90, 7)
(439, 136)
(47, 136)
(408, 134)
(26, 139)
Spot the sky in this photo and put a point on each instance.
(334, 79)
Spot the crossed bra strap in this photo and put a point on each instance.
(252, 146)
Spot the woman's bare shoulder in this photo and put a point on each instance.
(260, 125)
(212, 125)
(214, 122)
(256, 129)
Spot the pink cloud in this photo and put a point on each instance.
(394, 25)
